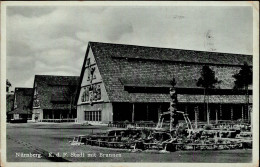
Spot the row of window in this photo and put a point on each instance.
(92, 115)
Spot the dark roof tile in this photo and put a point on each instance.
(122, 65)
(52, 89)
(23, 98)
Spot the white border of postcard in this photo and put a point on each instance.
(255, 6)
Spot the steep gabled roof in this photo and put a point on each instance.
(168, 54)
(54, 91)
(139, 66)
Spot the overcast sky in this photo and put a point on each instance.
(53, 40)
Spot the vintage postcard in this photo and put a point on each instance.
(129, 83)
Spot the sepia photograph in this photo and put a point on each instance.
(122, 82)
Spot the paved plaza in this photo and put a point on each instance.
(54, 138)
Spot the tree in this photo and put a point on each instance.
(208, 81)
(70, 94)
(243, 79)
(8, 84)
(173, 82)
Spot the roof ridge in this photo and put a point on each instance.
(58, 75)
(22, 88)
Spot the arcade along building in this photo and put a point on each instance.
(126, 82)
(53, 98)
(22, 104)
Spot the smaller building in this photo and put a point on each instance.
(22, 104)
(53, 98)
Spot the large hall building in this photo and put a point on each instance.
(53, 98)
(126, 82)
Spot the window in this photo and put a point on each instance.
(93, 116)
(86, 116)
(91, 119)
(99, 115)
